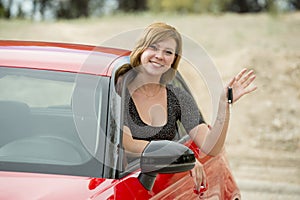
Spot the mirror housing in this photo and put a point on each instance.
(164, 157)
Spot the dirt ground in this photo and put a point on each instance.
(263, 144)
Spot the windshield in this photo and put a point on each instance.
(44, 119)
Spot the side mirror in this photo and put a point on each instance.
(164, 157)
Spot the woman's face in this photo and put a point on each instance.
(158, 57)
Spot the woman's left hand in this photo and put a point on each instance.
(198, 175)
(241, 84)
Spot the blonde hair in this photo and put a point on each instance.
(154, 33)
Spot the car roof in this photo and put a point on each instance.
(77, 58)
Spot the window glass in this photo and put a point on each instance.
(47, 118)
(35, 90)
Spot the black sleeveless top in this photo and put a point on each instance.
(180, 106)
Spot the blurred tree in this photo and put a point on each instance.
(296, 4)
(71, 9)
(99, 7)
(2, 10)
(154, 6)
(270, 6)
(6, 9)
(63, 10)
(218, 6)
(132, 5)
(188, 6)
(41, 6)
(79, 8)
(21, 13)
(244, 6)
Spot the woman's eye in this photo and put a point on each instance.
(169, 52)
(153, 47)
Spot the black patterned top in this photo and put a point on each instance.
(180, 106)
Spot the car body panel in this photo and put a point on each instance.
(16, 185)
(42, 186)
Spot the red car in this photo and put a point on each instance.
(60, 135)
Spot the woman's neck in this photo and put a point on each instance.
(145, 84)
(146, 79)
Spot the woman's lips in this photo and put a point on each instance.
(156, 64)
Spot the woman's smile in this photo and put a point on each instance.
(156, 64)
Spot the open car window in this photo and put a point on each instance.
(132, 163)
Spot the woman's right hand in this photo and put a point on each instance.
(198, 175)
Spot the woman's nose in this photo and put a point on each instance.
(159, 54)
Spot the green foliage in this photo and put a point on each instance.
(70, 9)
(2, 10)
(132, 5)
(188, 6)
(218, 6)
(5, 10)
(271, 7)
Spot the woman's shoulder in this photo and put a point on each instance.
(176, 90)
(183, 96)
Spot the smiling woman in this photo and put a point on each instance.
(153, 106)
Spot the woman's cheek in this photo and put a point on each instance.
(144, 57)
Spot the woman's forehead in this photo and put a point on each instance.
(169, 43)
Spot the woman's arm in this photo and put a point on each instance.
(132, 146)
(211, 141)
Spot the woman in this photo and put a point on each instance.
(152, 106)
